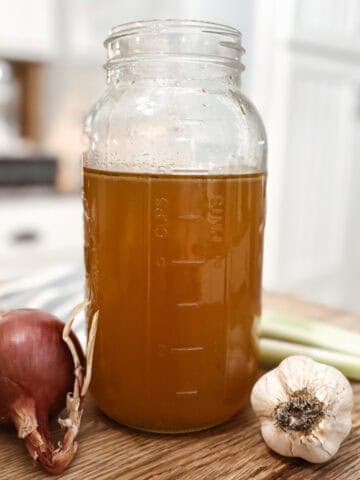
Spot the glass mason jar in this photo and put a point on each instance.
(174, 187)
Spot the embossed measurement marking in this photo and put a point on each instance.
(187, 349)
(188, 261)
(188, 304)
(161, 218)
(162, 232)
(187, 392)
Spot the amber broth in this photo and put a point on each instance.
(173, 264)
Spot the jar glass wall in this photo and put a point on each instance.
(174, 188)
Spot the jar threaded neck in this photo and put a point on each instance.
(187, 40)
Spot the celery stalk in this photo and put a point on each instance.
(308, 332)
(273, 351)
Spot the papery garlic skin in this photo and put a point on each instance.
(325, 398)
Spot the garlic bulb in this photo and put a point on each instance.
(304, 408)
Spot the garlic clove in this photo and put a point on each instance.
(294, 372)
(275, 438)
(304, 408)
(313, 448)
(281, 442)
(330, 383)
(267, 394)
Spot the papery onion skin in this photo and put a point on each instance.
(36, 373)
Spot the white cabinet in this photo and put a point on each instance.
(39, 231)
(333, 22)
(308, 90)
(28, 29)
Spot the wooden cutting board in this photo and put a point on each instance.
(232, 451)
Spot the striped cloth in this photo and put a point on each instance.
(56, 291)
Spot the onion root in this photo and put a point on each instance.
(37, 438)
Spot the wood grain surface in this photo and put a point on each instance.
(232, 451)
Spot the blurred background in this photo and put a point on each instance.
(303, 73)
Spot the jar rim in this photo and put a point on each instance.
(168, 25)
(170, 39)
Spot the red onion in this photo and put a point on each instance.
(41, 361)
